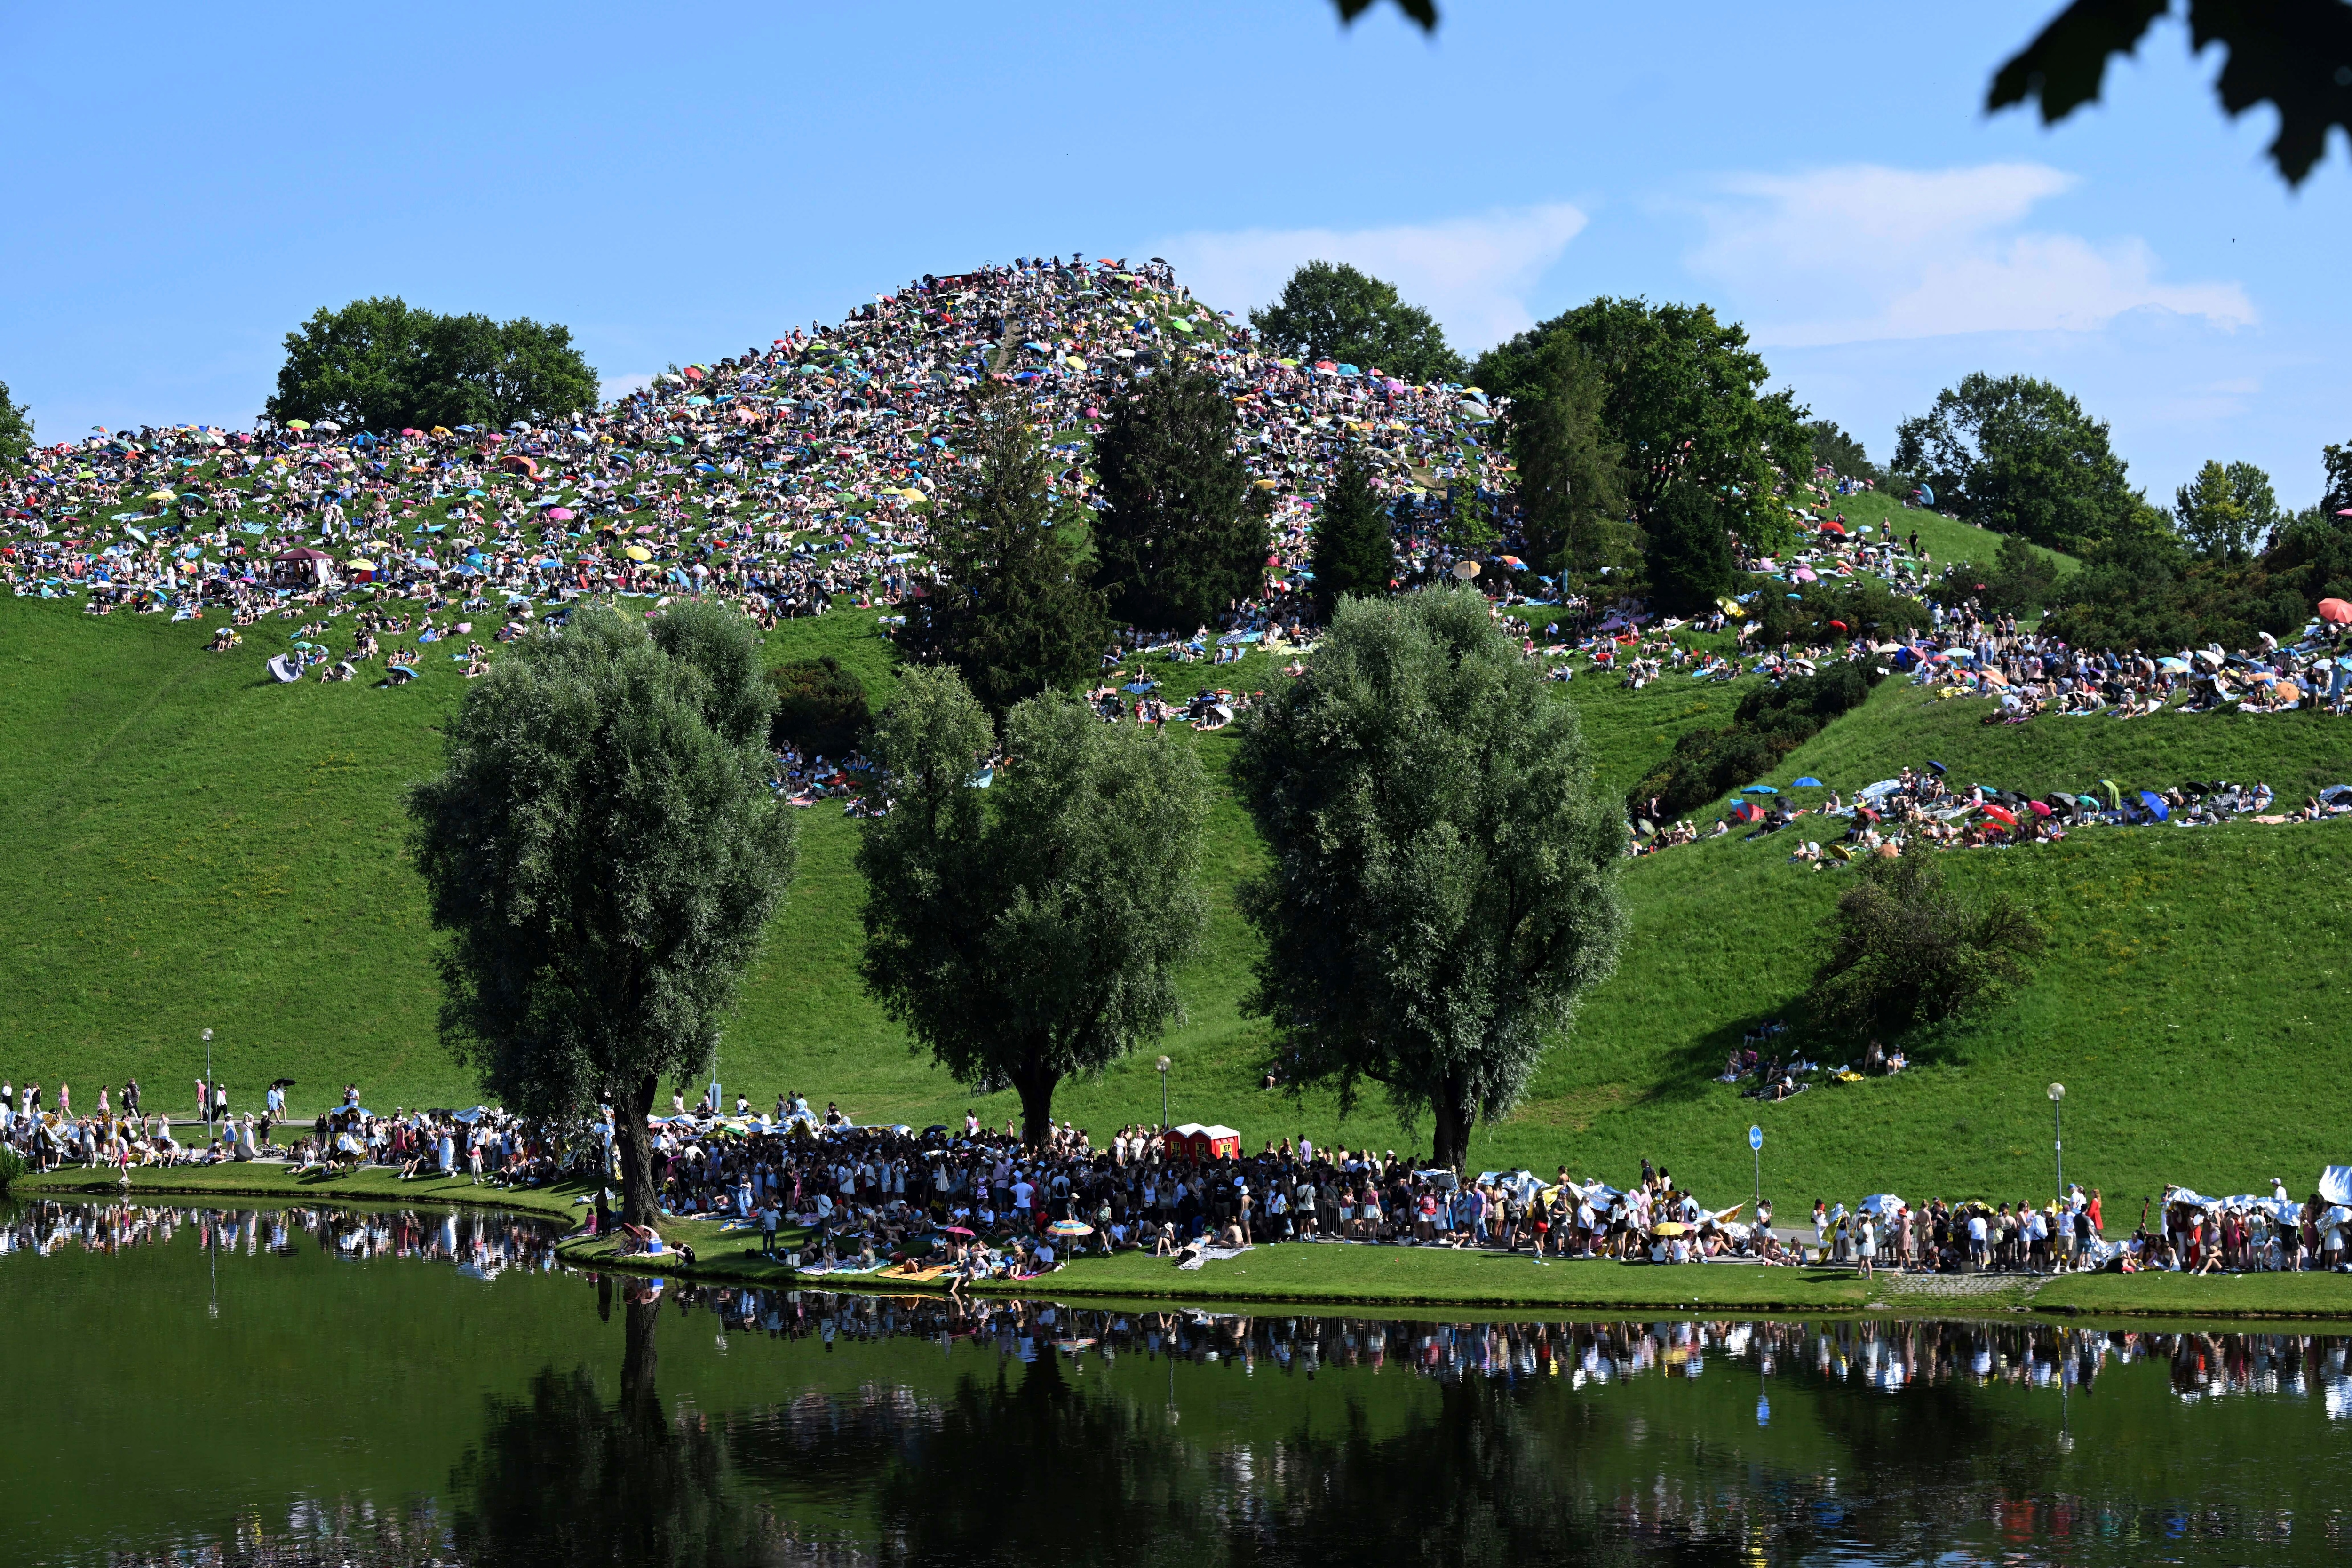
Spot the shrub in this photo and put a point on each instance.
(1769, 724)
(820, 708)
(1905, 950)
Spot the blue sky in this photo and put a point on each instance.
(191, 182)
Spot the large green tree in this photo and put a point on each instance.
(16, 427)
(1355, 551)
(1691, 565)
(381, 364)
(2227, 511)
(1184, 532)
(1032, 929)
(1442, 884)
(603, 854)
(1571, 476)
(1332, 310)
(1685, 399)
(1012, 609)
(2337, 461)
(2017, 454)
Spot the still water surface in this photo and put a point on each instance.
(323, 1386)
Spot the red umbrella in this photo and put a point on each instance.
(2336, 611)
(1833, 528)
(2001, 814)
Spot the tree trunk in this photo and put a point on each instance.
(640, 1203)
(1455, 1115)
(1036, 1090)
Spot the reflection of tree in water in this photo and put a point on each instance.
(564, 1478)
(1481, 1479)
(1033, 1468)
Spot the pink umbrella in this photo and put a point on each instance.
(560, 514)
(2336, 611)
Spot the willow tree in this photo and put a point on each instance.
(1029, 930)
(1442, 886)
(603, 852)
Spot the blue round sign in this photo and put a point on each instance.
(1755, 1138)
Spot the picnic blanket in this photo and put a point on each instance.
(1193, 1259)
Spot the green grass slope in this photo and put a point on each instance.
(192, 847)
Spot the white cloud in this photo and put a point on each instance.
(1910, 254)
(613, 386)
(1474, 274)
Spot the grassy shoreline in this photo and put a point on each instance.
(1338, 1278)
(1327, 1277)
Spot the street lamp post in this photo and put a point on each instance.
(1163, 1065)
(206, 1110)
(2058, 1136)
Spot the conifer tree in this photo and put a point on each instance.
(1184, 535)
(1353, 551)
(1012, 610)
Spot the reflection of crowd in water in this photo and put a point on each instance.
(1886, 1353)
(482, 1243)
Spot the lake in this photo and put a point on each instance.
(286, 1386)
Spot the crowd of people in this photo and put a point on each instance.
(788, 479)
(956, 1206)
(952, 1206)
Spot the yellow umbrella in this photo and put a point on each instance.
(638, 553)
(161, 495)
(440, 429)
(298, 425)
(357, 565)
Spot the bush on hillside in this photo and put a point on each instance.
(1867, 608)
(820, 708)
(2148, 592)
(1768, 725)
(2019, 581)
(1905, 949)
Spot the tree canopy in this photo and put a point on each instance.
(602, 852)
(1355, 551)
(1012, 609)
(1031, 930)
(2017, 454)
(2228, 511)
(382, 364)
(1332, 310)
(1684, 399)
(1184, 533)
(1442, 884)
(16, 427)
(2295, 55)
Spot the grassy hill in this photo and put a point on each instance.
(193, 846)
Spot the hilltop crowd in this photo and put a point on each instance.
(788, 479)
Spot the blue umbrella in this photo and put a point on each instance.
(2156, 806)
(1809, 781)
(1760, 789)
